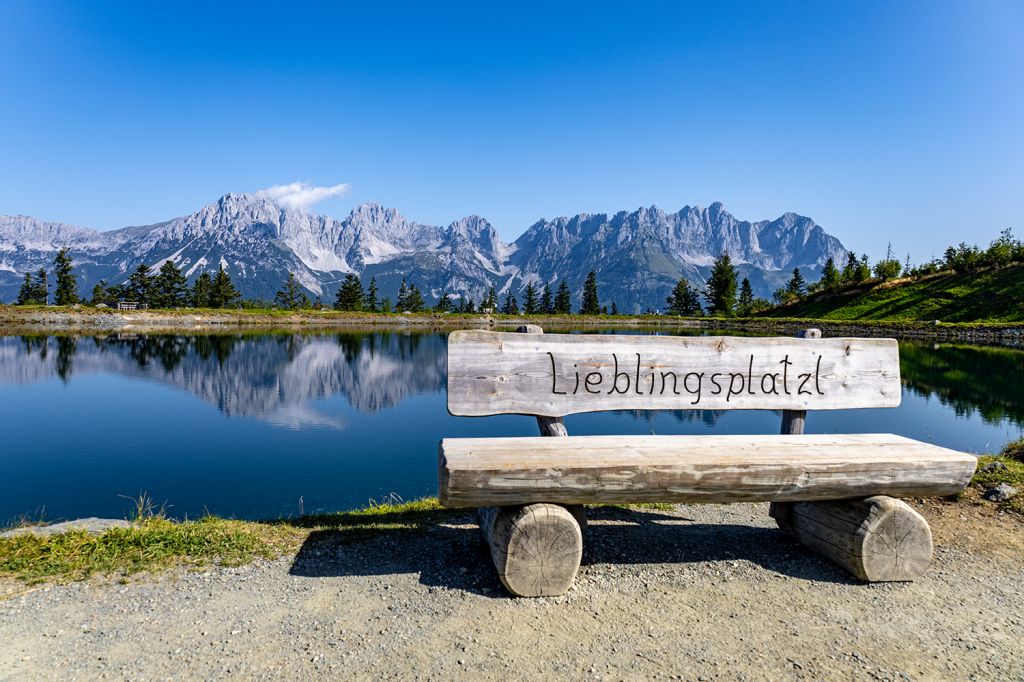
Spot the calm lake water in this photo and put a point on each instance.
(263, 425)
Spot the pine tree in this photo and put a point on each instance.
(26, 295)
(370, 302)
(720, 291)
(490, 302)
(350, 294)
(414, 302)
(468, 306)
(40, 287)
(140, 284)
(863, 271)
(547, 302)
(444, 304)
(170, 288)
(745, 305)
(797, 285)
(850, 269)
(591, 305)
(684, 300)
(100, 293)
(563, 299)
(830, 277)
(615, 308)
(402, 304)
(291, 295)
(67, 286)
(223, 293)
(531, 304)
(511, 306)
(202, 289)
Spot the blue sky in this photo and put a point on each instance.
(899, 121)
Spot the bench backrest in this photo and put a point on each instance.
(554, 375)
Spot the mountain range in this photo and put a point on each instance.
(638, 255)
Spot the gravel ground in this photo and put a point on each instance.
(704, 592)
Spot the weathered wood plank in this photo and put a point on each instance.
(558, 374)
(615, 469)
(876, 539)
(536, 548)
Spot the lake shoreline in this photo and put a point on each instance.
(52, 319)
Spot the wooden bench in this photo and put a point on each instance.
(834, 493)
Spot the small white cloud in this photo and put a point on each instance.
(301, 195)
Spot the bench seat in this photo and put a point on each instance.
(480, 472)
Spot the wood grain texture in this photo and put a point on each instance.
(554, 375)
(476, 472)
(877, 539)
(536, 548)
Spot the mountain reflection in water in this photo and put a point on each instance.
(271, 377)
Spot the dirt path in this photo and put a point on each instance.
(704, 592)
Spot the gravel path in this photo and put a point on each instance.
(705, 592)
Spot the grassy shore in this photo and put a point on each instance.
(154, 543)
(992, 295)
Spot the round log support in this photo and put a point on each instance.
(877, 539)
(536, 548)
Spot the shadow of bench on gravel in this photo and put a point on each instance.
(445, 549)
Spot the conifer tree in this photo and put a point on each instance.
(170, 288)
(684, 299)
(140, 284)
(350, 294)
(511, 306)
(202, 289)
(100, 293)
(414, 302)
(563, 299)
(720, 291)
(402, 303)
(490, 301)
(27, 292)
(591, 305)
(745, 305)
(67, 286)
(797, 285)
(531, 304)
(850, 269)
(863, 271)
(40, 287)
(223, 293)
(444, 304)
(370, 302)
(615, 309)
(547, 302)
(468, 306)
(830, 277)
(291, 296)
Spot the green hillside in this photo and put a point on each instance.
(991, 295)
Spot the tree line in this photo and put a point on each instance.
(168, 288)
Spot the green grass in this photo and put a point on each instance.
(149, 544)
(992, 295)
(1012, 456)
(154, 543)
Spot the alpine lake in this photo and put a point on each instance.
(263, 425)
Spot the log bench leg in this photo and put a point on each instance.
(877, 539)
(536, 548)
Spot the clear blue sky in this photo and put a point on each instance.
(899, 121)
